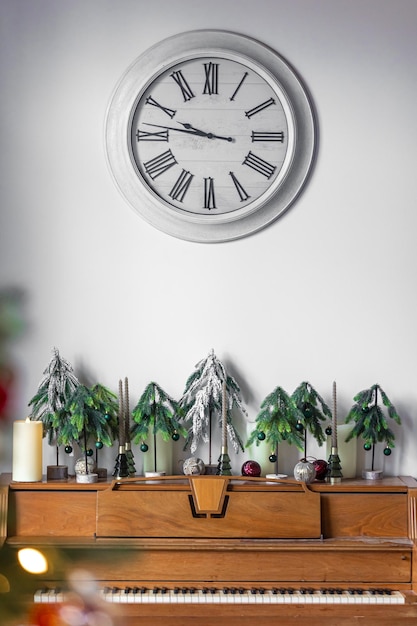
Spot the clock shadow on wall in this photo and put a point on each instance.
(210, 136)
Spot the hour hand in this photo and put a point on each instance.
(203, 133)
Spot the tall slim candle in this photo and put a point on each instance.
(334, 425)
(127, 412)
(27, 451)
(224, 420)
(122, 428)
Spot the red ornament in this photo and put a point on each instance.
(251, 468)
(321, 468)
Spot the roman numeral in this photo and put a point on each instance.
(239, 85)
(242, 193)
(183, 85)
(143, 135)
(209, 199)
(269, 136)
(260, 107)
(159, 164)
(211, 71)
(181, 186)
(154, 103)
(259, 165)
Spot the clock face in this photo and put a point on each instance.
(210, 136)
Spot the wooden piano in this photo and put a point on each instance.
(184, 550)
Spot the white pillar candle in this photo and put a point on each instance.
(27, 451)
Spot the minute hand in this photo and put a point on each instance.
(190, 130)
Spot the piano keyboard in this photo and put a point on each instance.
(235, 595)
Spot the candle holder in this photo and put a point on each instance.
(121, 469)
(334, 469)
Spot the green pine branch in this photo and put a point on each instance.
(313, 408)
(88, 418)
(369, 418)
(276, 422)
(155, 412)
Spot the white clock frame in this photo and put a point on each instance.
(212, 227)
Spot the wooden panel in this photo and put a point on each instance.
(53, 513)
(4, 498)
(369, 515)
(265, 615)
(298, 564)
(159, 513)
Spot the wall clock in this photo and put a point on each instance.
(210, 135)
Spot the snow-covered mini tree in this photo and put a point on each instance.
(276, 422)
(201, 404)
(49, 405)
(155, 412)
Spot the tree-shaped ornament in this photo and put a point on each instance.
(314, 410)
(155, 412)
(371, 423)
(276, 422)
(121, 468)
(49, 406)
(334, 468)
(201, 406)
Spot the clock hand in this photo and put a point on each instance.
(204, 134)
(179, 130)
(190, 130)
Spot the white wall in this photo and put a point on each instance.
(325, 293)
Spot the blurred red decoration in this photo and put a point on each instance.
(251, 468)
(321, 468)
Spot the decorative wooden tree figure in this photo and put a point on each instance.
(89, 420)
(277, 422)
(49, 406)
(371, 423)
(121, 469)
(314, 410)
(155, 412)
(202, 402)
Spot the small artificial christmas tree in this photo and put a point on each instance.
(277, 422)
(314, 409)
(105, 401)
(202, 401)
(370, 421)
(49, 405)
(157, 412)
(92, 415)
